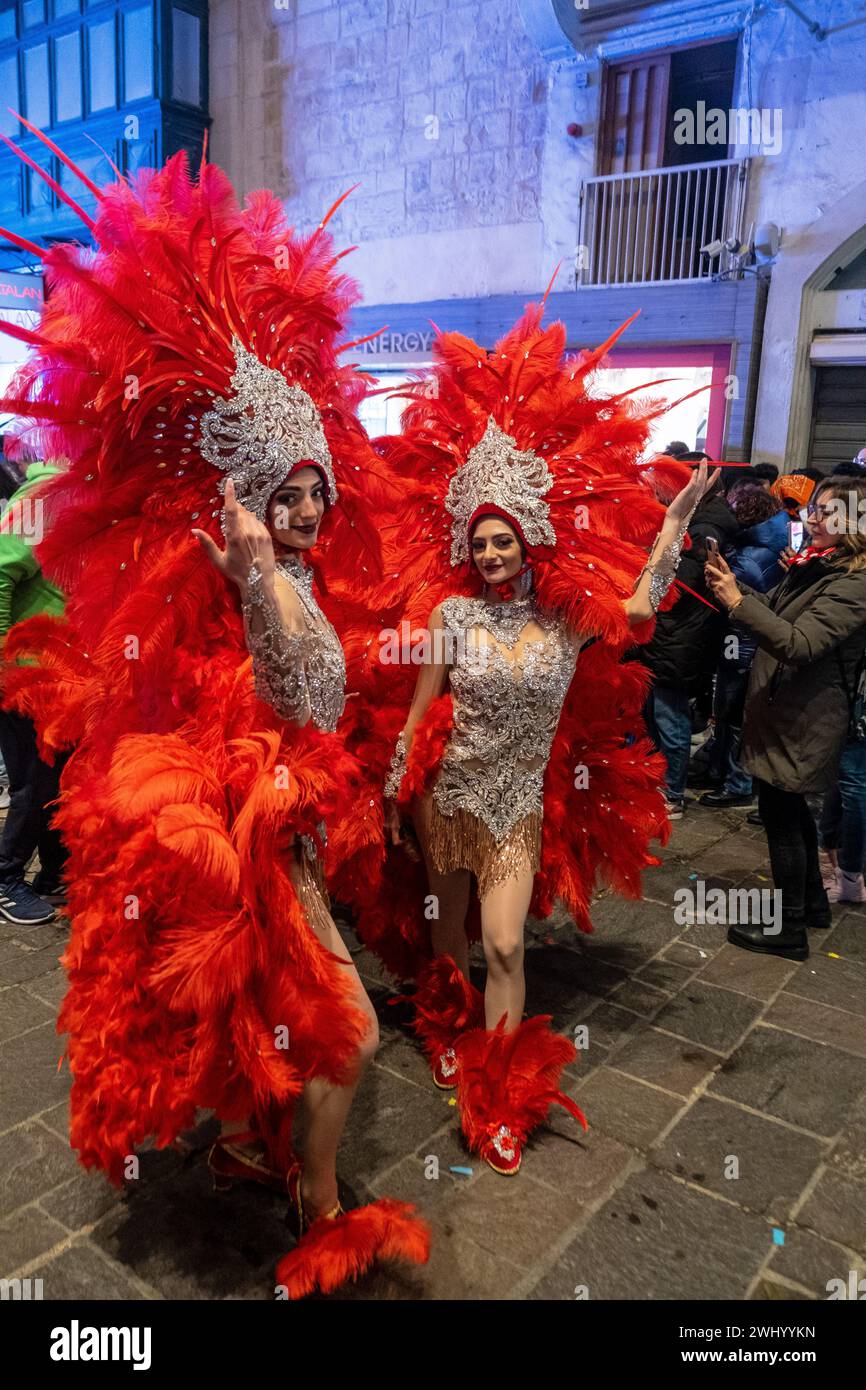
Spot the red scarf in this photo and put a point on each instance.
(812, 552)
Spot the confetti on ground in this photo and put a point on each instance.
(452, 1101)
(778, 1236)
(702, 954)
(763, 878)
(833, 955)
(692, 876)
(456, 1169)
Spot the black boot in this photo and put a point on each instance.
(819, 914)
(818, 910)
(791, 943)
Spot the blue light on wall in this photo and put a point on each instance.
(109, 80)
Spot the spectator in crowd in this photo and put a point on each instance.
(810, 632)
(736, 477)
(33, 785)
(10, 481)
(677, 449)
(685, 647)
(794, 491)
(849, 470)
(843, 814)
(754, 560)
(768, 473)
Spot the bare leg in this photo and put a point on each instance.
(451, 894)
(326, 1107)
(503, 918)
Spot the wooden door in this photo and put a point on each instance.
(634, 109)
(634, 113)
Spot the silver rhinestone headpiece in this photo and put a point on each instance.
(497, 472)
(261, 431)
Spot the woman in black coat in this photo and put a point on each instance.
(810, 632)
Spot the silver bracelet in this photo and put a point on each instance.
(663, 571)
(397, 769)
(255, 594)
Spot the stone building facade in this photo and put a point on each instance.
(436, 110)
(470, 129)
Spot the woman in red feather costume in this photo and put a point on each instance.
(525, 524)
(185, 365)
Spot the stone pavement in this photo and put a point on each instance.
(702, 1060)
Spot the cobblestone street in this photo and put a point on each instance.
(698, 1052)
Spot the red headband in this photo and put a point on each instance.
(489, 509)
(505, 590)
(309, 463)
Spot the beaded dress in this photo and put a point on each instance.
(508, 689)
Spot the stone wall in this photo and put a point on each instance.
(436, 108)
(455, 127)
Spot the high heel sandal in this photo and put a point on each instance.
(301, 1221)
(230, 1163)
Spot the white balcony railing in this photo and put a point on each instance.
(649, 227)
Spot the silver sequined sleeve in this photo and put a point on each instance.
(397, 768)
(279, 656)
(663, 572)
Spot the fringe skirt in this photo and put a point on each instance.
(462, 841)
(308, 880)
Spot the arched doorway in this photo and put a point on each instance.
(807, 265)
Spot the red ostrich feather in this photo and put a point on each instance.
(188, 946)
(606, 506)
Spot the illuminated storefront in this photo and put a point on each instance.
(678, 364)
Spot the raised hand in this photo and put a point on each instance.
(721, 581)
(247, 540)
(681, 508)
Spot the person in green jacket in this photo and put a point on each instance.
(33, 785)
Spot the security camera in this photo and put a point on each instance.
(715, 248)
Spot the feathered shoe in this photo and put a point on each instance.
(507, 1082)
(446, 1005)
(341, 1246)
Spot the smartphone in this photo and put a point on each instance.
(712, 549)
(795, 534)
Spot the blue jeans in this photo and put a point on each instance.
(668, 717)
(723, 763)
(732, 680)
(843, 815)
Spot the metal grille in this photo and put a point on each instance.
(649, 227)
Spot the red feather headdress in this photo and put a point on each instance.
(180, 804)
(525, 431)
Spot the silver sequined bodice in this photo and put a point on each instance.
(316, 659)
(506, 709)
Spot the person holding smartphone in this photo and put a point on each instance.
(810, 632)
(683, 652)
(755, 559)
